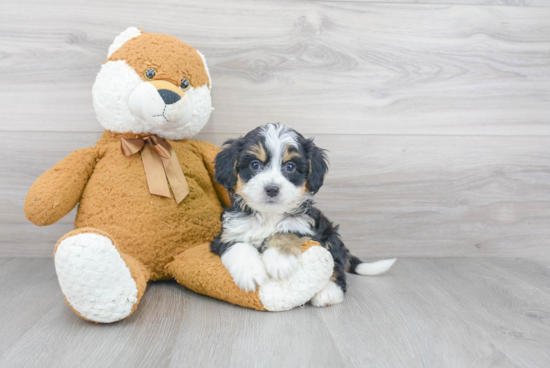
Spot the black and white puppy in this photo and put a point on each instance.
(272, 174)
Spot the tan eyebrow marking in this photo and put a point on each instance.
(287, 156)
(258, 150)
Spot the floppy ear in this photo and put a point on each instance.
(226, 162)
(318, 166)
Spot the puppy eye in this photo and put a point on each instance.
(185, 84)
(150, 73)
(255, 165)
(290, 167)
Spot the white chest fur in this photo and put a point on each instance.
(254, 229)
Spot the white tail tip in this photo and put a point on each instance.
(375, 268)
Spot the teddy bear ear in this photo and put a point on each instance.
(122, 38)
(206, 67)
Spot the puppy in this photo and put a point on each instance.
(272, 174)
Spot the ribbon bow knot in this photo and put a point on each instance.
(160, 162)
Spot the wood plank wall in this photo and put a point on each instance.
(436, 115)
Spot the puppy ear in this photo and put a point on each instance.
(226, 162)
(318, 166)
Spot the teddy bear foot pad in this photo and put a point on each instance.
(94, 278)
(316, 266)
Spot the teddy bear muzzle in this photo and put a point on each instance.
(160, 103)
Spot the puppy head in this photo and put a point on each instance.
(273, 168)
(153, 83)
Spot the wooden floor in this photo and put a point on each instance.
(447, 312)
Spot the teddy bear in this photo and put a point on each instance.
(148, 204)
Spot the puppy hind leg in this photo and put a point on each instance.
(333, 292)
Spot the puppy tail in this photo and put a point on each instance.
(369, 269)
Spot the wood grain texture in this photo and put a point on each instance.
(323, 67)
(530, 3)
(416, 196)
(26, 157)
(441, 309)
(436, 115)
(423, 313)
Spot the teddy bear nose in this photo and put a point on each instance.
(168, 96)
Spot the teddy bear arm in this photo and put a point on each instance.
(203, 272)
(209, 152)
(58, 190)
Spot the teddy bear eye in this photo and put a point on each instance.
(150, 73)
(184, 84)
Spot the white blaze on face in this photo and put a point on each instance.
(277, 139)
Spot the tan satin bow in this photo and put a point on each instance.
(160, 161)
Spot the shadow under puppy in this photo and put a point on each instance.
(272, 174)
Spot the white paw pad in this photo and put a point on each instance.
(94, 278)
(331, 294)
(279, 266)
(245, 266)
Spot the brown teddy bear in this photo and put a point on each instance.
(148, 205)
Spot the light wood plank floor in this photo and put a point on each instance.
(446, 312)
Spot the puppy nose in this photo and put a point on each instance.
(168, 96)
(272, 190)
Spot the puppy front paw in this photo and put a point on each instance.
(245, 266)
(279, 266)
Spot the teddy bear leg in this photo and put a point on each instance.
(202, 271)
(99, 283)
(313, 274)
